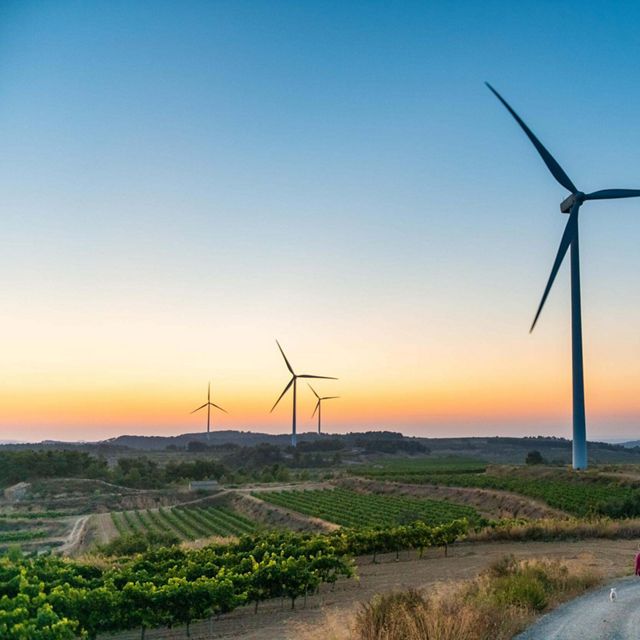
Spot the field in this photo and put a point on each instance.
(418, 467)
(188, 523)
(581, 495)
(353, 509)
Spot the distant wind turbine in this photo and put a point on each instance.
(570, 205)
(294, 382)
(209, 404)
(319, 406)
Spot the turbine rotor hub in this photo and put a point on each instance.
(575, 198)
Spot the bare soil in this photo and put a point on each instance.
(100, 530)
(333, 609)
(76, 536)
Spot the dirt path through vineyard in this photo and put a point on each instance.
(333, 609)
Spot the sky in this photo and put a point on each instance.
(181, 183)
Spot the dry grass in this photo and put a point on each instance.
(552, 529)
(497, 605)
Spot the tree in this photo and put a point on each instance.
(534, 457)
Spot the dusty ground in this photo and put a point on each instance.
(75, 537)
(333, 609)
(100, 529)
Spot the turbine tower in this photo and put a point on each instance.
(294, 382)
(319, 406)
(209, 404)
(570, 205)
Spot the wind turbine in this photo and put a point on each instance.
(294, 382)
(209, 404)
(570, 205)
(319, 405)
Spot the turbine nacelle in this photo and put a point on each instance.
(575, 198)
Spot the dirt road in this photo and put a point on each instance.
(333, 609)
(593, 616)
(73, 540)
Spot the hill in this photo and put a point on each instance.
(490, 449)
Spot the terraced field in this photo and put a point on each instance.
(408, 469)
(582, 495)
(352, 509)
(188, 523)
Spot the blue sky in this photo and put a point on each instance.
(181, 182)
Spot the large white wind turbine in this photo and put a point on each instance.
(294, 382)
(570, 205)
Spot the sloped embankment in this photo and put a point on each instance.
(488, 502)
(274, 516)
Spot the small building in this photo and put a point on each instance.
(204, 485)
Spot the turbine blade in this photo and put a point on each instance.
(282, 394)
(556, 170)
(314, 392)
(217, 407)
(330, 398)
(316, 409)
(198, 409)
(565, 243)
(606, 194)
(306, 375)
(285, 359)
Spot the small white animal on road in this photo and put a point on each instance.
(613, 595)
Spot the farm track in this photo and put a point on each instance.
(75, 536)
(593, 616)
(327, 614)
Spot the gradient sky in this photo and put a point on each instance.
(183, 182)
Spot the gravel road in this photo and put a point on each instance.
(593, 616)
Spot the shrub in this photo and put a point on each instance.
(138, 543)
(534, 457)
(495, 606)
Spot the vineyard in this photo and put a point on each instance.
(187, 523)
(581, 496)
(32, 532)
(49, 598)
(352, 509)
(408, 468)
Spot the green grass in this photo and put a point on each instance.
(352, 509)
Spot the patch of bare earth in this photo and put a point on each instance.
(74, 541)
(488, 502)
(100, 530)
(327, 615)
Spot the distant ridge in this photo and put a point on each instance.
(496, 449)
(245, 438)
